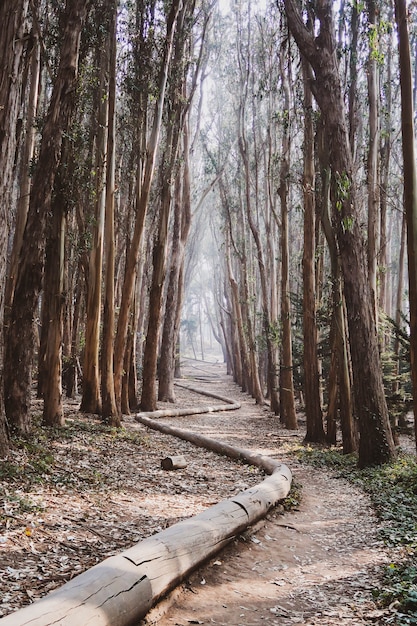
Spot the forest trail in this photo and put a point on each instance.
(315, 565)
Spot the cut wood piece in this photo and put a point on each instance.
(173, 463)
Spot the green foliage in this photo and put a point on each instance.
(400, 590)
(393, 492)
(293, 500)
(396, 366)
(342, 189)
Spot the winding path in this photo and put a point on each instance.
(316, 565)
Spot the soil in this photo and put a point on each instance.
(97, 493)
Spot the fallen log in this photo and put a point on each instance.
(173, 462)
(121, 590)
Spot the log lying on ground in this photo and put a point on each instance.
(122, 589)
(173, 462)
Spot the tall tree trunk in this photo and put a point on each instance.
(12, 29)
(385, 151)
(340, 398)
(353, 84)
(272, 379)
(376, 443)
(52, 322)
(182, 224)
(410, 181)
(110, 412)
(286, 384)
(314, 416)
(241, 351)
(159, 259)
(20, 339)
(399, 300)
(91, 401)
(373, 170)
(25, 181)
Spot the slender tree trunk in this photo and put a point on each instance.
(20, 340)
(272, 379)
(182, 224)
(373, 169)
(399, 300)
(286, 386)
(91, 401)
(353, 85)
(410, 180)
(385, 171)
(110, 412)
(25, 182)
(53, 410)
(314, 416)
(12, 29)
(340, 399)
(241, 350)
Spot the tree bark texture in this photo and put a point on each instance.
(110, 411)
(20, 339)
(286, 383)
(12, 24)
(373, 169)
(314, 416)
(91, 401)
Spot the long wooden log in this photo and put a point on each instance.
(121, 590)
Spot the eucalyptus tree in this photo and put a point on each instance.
(12, 28)
(110, 412)
(376, 443)
(286, 384)
(91, 392)
(373, 147)
(314, 415)
(410, 179)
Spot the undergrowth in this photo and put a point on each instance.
(43, 456)
(393, 492)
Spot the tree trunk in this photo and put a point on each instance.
(376, 443)
(286, 385)
(272, 379)
(20, 340)
(385, 170)
(182, 224)
(25, 182)
(110, 412)
(53, 411)
(91, 401)
(12, 28)
(340, 375)
(373, 169)
(410, 181)
(399, 301)
(314, 416)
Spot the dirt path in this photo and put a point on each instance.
(316, 565)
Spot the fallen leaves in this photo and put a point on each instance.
(71, 499)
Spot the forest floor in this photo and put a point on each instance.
(75, 496)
